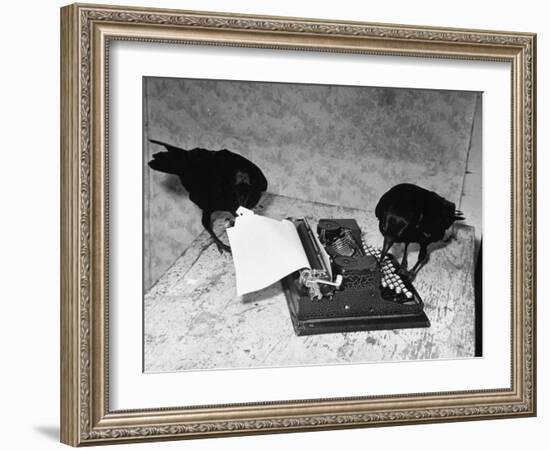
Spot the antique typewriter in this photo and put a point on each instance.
(347, 288)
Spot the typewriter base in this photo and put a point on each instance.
(341, 325)
(305, 327)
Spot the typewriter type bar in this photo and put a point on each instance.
(347, 288)
(318, 280)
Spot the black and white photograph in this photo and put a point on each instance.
(275, 225)
(290, 224)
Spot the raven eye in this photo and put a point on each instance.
(242, 177)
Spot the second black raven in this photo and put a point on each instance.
(215, 180)
(408, 213)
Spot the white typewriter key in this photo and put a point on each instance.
(398, 289)
(408, 294)
(384, 284)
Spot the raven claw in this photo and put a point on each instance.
(221, 247)
(408, 274)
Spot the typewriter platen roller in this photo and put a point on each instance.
(347, 288)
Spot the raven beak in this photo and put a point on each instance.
(243, 200)
(388, 242)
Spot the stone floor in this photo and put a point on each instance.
(193, 319)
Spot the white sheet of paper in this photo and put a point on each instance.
(264, 251)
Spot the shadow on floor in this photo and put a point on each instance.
(49, 431)
(479, 303)
(264, 294)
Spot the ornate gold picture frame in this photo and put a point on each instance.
(87, 31)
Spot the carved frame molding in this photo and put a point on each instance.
(86, 31)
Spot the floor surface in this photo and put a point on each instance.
(193, 319)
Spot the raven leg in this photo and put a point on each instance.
(402, 270)
(207, 224)
(422, 257)
(404, 259)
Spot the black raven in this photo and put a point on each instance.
(408, 213)
(215, 180)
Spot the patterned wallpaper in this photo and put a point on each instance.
(341, 145)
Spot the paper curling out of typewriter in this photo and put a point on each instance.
(346, 288)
